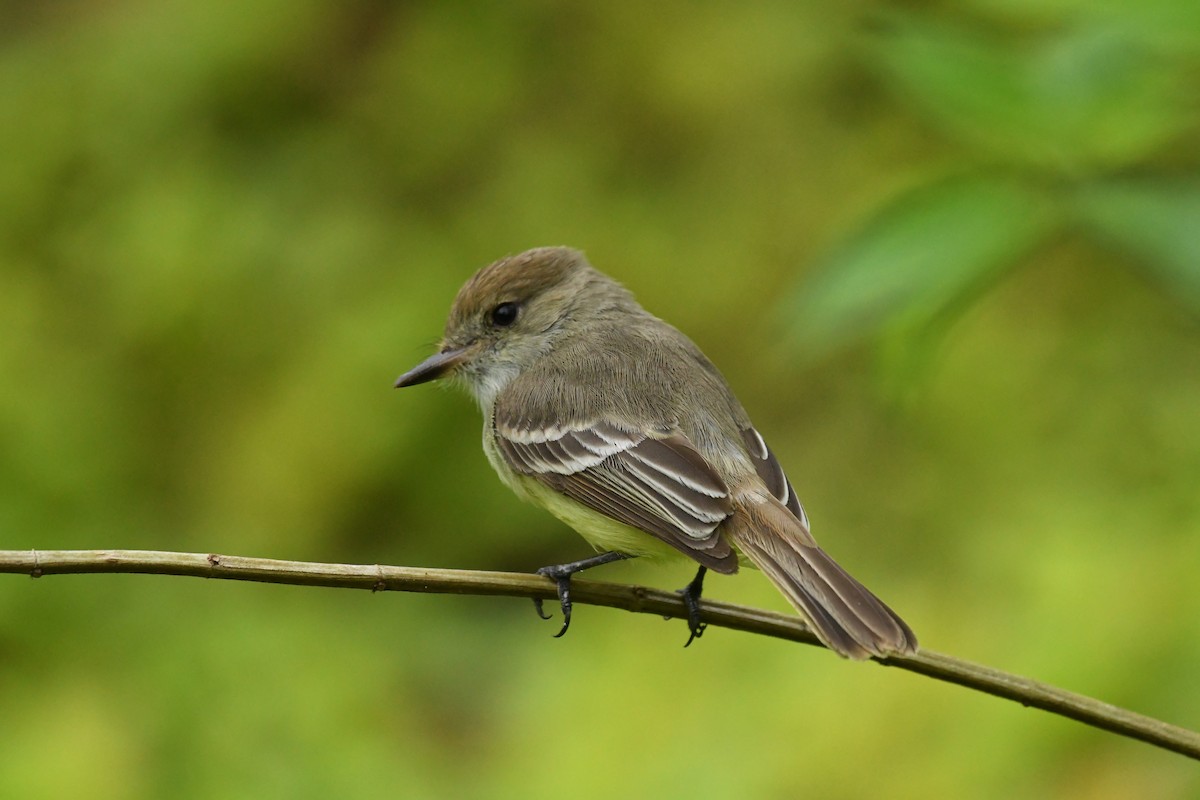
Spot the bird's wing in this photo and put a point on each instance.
(655, 481)
(772, 474)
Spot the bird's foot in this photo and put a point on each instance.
(562, 580)
(691, 601)
(561, 575)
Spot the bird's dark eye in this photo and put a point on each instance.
(505, 314)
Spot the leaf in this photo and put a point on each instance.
(1089, 97)
(918, 256)
(1103, 98)
(970, 86)
(1170, 26)
(1156, 221)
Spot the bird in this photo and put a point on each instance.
(616, 423)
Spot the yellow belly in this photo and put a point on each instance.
(601, 532)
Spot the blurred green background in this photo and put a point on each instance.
(947, 253)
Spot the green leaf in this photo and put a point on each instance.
(1104, 98)
(926, 250)
(971, 87)
(1157, 221)
(1091, 97)
(1169, 26)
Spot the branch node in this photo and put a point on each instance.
(380, 585)
(36, 572)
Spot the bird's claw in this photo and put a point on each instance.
(696, 628)
(562, 580)
(561, 575)
(691, 601)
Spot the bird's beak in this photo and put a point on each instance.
(434, 367)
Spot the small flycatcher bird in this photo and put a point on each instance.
(617, 424)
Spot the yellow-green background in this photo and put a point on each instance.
(946, 253)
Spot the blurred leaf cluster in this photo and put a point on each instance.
(1068, 119)
(226, 227)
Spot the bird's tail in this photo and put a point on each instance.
(844, 614)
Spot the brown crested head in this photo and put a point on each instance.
(541, 286)
(515, 279)
(516, 309)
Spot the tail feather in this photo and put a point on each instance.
(844, 614)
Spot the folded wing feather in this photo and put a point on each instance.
(659, 484)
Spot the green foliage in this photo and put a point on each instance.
(1087, 96)
(1064, 108)
(1156, 222)
(226, 227)
(922, 253)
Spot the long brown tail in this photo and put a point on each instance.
(844, 614)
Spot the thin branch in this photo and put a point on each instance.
(631, 598)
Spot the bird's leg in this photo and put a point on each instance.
(691, 600)
(561, 575)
